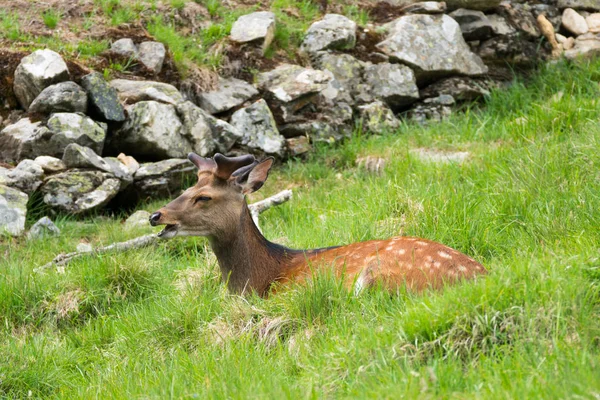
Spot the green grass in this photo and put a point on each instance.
(51, 18)
(157, 322)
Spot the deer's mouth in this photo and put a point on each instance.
(169, 231)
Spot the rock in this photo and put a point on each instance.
(432, 45)
(569, 43)
(319, 130)
(333, 32)
(230, 93)
(436, 156)
(586, 46)
(26, 176)
(61, 97)
(377, 117)
(480, 5)
(50, 165)
(560, 38)
(163, 179)
(13, 209)
(589, 5)
(574, 22)
(77, 191)
(258, 128)
(153, 130)
(257, 26)
(520, 17)
(473, 24)
(500, 26)
(131, 92)
(103, 100)
(432, 109)
(84, 247)
(593, 22)
(426, 7)
(289, 82)
(197, 129)
(42, 228)
(509, 49)
(224, 135)
(347, 71)
(392, 83)
(129, 162)
(124, 48)
(298, 145)
(152, 55)
(69, 128)
(460, 88)
(23, 139)
(36, 72)
(77, 156)
(140, 218)
(120, 170)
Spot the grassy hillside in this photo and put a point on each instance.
(157, 323)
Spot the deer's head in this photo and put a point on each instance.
(213, 206)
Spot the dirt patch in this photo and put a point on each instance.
(243, 61)
(10, 61)
(383, 12)
(365, 49)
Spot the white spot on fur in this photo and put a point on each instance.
(389, 248)
(445, 255)
(437, 264)
(462, 268)
(401, 251)
(429, 259)
(422, 243)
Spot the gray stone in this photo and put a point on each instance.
(84, 247)
(460, 88)
(103, 100)
(76, 156)
(26, 176)
(481, 5)
(432, 45)
(586, 46)
(289, 82)
(140, 218)
(574, 22)
(197, 129)
(473, 24)
(347, 71)
(229, 93)
(432, 109)
(392, 83)
(61, 97)
(77, 191)
(333, 32)
(120, 170)
(589, 5)
(318, 131)
(521, 18)
(42, 228)
(36, 72)
(13, 210)
(224, 134)
(509, 49)
(377, 117)
(257, 26)
(50, 165)
(69, 128)
(258, 128)
(131, 92)
(129, 162)
(500, 26)
(153, 130)
(298, 145)
(163, 179)
(124, 48)
(426, 7)
(21, 140)
(152, 55)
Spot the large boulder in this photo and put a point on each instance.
(13, 210)
(258, 26)
(347, 71)
(586, 46)
(153, 131)
(44, 227)
(474, 25)
(77, 156)
(27, 176)
(392, 83)
(152, 55)
(588, 5)
(333, 32)
(77, 191)
(103, 100)
(36, 72)
(258, 128)
(197, 128)
(432, 45)
(69, 128)
(21, 140)
(574, 22)
(130, 92)
(228, 94)
(162, 179)
(61, 97)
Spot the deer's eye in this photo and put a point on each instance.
(201, 198)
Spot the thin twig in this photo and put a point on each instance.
(147, 240)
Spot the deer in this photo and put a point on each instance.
(216, 208)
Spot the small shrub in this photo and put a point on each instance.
(51, 18)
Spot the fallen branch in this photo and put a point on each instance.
(147, 240)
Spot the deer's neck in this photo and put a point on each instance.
(248, 261)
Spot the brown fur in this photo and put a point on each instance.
(249, 262)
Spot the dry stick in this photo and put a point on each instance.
(143, 241)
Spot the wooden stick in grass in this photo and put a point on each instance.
(147, 240)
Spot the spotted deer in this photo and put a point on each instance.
(216, 208)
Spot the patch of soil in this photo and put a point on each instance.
(243, 61)
(383, 12)
(10, 61)
(365, 48)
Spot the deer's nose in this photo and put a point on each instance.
(154, 218)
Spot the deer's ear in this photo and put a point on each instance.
(253, 180)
